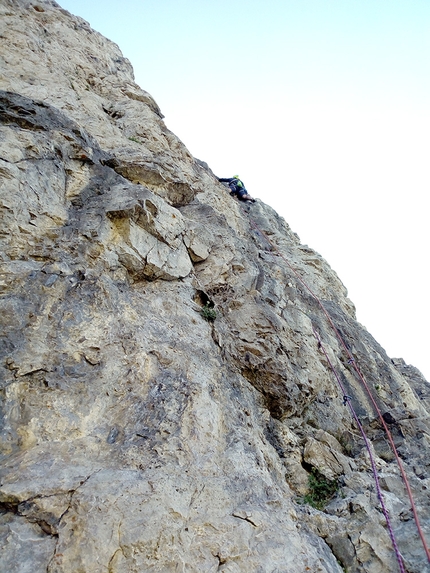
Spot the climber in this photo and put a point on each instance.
(237, 188)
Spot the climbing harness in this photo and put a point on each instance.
(353, 363)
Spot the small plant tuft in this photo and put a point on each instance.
(321, 490)
(208, 313)
(135, 140)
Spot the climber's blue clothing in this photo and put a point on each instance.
(236, 186)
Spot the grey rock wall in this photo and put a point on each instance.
(136, 435)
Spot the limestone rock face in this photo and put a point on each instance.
(136, 435)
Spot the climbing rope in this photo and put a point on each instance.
(347, 402)
(353, 363)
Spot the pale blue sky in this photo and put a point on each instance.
(322, 107)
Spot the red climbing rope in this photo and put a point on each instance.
(351, 360)
(347, 401)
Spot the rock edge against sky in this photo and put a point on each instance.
(138, 436)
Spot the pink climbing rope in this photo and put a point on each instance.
(347, 401)
(351, 360)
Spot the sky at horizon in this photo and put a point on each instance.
(321, 106)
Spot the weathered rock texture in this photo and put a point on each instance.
(136, 435)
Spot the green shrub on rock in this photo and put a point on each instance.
(321, 490)
(208, 313)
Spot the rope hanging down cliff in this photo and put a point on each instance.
(352, 361)
(347, 401)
